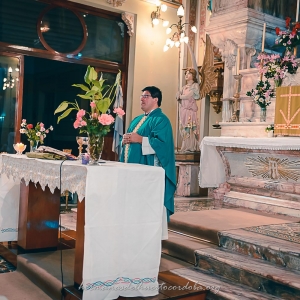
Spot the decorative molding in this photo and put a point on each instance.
(129, 21)
(229, 53)
(116, 2)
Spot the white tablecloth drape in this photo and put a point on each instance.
(212, 172)
(123, 228)
(9, 209)
(123, 220)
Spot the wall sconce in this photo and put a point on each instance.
(155, 15)
(180, 35)
(9, 82)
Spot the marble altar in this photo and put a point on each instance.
(258, 173)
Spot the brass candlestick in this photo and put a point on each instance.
(236, 96)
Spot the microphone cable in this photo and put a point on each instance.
(61, 256)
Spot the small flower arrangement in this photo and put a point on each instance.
(288, 38)
(35, 133)
(273, 66)
(270, 128)
(262, 93)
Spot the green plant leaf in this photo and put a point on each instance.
(93, 74)
(88, 97)
(82, 86)
(101, 81)
(65, 114)
(91, 93)
(95, 88)
(87, 75)
(96, 83)
(63, 106)
(103, 105)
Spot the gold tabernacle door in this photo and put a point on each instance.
(287, 111)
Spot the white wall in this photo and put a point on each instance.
(148, 64)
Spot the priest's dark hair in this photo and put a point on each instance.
(155, 92)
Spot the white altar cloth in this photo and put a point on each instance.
(123, 220)
(212, 172)
(9, 208)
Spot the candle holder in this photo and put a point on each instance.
(19, 147)
(236, 96)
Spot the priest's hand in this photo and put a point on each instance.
(133, 137)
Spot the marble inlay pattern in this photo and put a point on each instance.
(289, 232)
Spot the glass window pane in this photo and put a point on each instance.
(105, 39)
(62, 30)
(9, 76)
(18, 20)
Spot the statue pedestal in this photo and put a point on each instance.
(187, 166)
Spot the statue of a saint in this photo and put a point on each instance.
(188, 121)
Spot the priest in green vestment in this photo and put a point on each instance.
(149, 141)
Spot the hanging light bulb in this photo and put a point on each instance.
(166, 48)
(168, 41)
(165, 23)
(157, 3)
(182, 34)
(172, 44)
(163, 7)
(186, 39)
(155, 21)
(9, 69)
(177, 44)
(168, 31)
(194, 29)
(180, 11)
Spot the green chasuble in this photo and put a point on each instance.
(157, 128)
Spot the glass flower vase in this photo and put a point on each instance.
(263, 114)
(278, 82)
(33, 145)
(95, 147)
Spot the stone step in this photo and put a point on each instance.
(259, 275)
(44, 270)
(206, 224)
(262, 203)
(183, 247)
(220, 288)
(269, 188)
(277, 251)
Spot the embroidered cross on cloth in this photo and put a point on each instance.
(287, 111)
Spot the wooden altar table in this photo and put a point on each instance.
(119, 221)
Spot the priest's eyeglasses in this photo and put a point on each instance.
(145, 96)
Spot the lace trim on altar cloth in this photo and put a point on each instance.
(278, 143)
(46, 173)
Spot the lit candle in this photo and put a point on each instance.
(238, 62)
(297, 11)
(263, 38)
